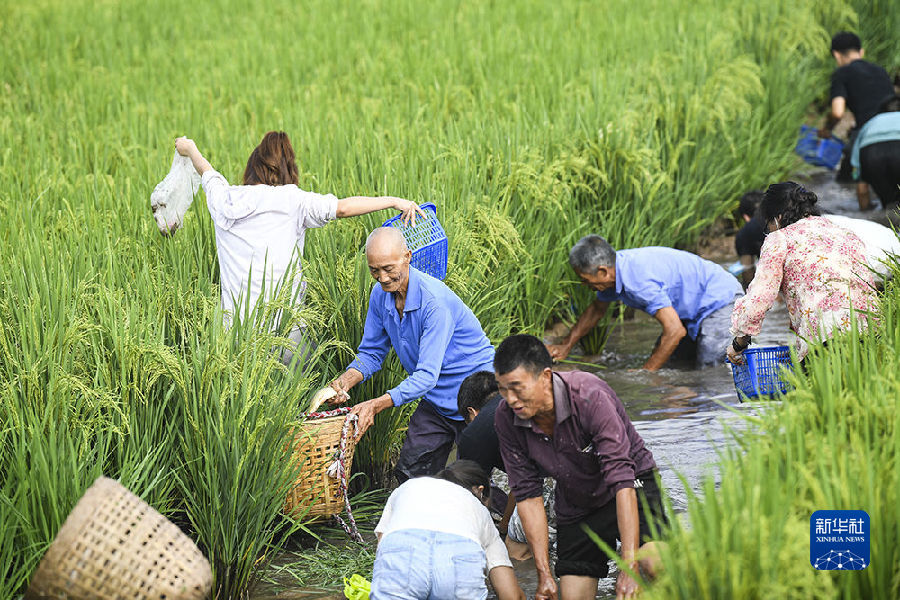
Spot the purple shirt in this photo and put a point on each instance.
(593, 453)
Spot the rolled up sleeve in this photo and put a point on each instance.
(494, 549)
(215, 186)
(653, 297)
(749, 311)
(436, 335)
(375, 343)
(524, 478)
(611, 443)
(318, 210)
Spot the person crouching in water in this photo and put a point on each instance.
(436, 538)
(818, 267)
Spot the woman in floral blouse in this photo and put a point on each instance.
(819, 267)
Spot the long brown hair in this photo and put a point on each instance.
(272, 162)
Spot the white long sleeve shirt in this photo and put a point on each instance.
(440, 505)
(260, 230)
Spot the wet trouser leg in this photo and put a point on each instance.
(428, 442)
(714, 336)
(879, 166)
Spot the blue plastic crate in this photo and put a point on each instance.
(762, 371)
(427, 240)
(818, 151)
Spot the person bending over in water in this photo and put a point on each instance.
(261, 225)
(436, 539)
(689, 296)
(861, 87)
(818, 266)
(439, 342)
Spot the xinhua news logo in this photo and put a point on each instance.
(839, 540)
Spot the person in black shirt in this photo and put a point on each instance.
(857, 85)
(749, 239)
(477, 400)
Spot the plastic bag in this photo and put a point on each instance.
(357, 588)
(172, 197)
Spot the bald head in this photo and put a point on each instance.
(386, 239)
(388, 257)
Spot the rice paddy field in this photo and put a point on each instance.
(528, 123)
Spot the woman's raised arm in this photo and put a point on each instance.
(186, 147)
(362, 205)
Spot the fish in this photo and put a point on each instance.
(324, 395)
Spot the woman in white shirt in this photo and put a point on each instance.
(437, 539)
(261, 225)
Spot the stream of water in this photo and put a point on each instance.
(682, 414)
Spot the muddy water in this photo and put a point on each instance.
(682, 414)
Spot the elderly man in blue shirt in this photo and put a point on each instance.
(692, 298)
(439, 342)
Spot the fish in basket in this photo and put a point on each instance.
(322, 447)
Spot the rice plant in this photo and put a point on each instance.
(833, 443)
(529, 124)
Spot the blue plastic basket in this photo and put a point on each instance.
(427, 241)
(818, 151)
(762, 371)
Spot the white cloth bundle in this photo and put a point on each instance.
(172, 197)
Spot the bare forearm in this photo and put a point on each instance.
(534, 521)
(503, 525)
(838, 107)
(201, 165)
(587, 321)
(349, 378)
(662, 352)
(362, 205)
(629, 525)
(503, 579)
(673, 332)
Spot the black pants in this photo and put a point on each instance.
(879, 166)
(578, 554)
(429, 439)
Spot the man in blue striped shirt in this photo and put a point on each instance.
(439, 342)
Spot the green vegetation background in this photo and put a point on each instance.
(529, 124)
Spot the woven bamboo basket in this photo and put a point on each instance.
(114, 545)
(314, 448)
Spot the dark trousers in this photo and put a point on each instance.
(428, 442)
(879, 166)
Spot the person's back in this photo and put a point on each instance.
(864, 85)
(880, 242)
(479, 442)
(436, 540)
(436, 505)
(654, 277)
(260, 232)
(823, 273)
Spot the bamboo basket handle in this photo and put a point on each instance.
(323, 395)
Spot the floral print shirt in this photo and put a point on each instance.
(820, 269)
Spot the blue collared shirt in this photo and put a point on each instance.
(655, 277)
(439, 342)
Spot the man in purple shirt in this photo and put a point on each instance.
(574, 427)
